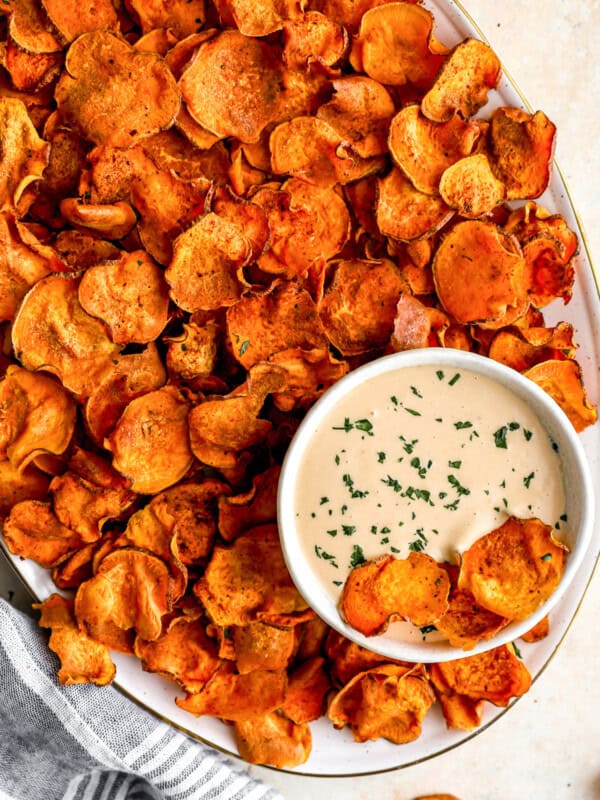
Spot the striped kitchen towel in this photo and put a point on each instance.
(90, 743)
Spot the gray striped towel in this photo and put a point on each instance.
(90, 743)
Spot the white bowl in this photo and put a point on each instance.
(579, 496)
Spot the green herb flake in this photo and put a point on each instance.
(364, 425)
(546, 557)
(461, 425)
(456, 484)
(440, 374)
(427, 629)
(323, 500)
(357, 557)
(527, 479)
(348, 530)
(244, 346)
(455, 464)
(527, 434)
(417, 546)
(381, 457)
(416, 392)
(323, 554)
(517, 651)
(354, 493)
(332, 532)
(412, 411)
(500, 437)
(454, 379)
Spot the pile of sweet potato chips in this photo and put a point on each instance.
(211, 210)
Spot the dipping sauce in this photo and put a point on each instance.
(424, 459)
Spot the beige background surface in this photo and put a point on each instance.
(547, 746)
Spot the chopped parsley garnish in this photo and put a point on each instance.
(461, 425)
(381, 457)
(527, 434)
(517, 651)
(325, 556)
(354, 493)
(415, 391)
(417, 546)
(456, 484)
(394, 399)
(412, 411)
(421, 468)
(357, 557)
(408, 446)
(547, 557)
(440, 374)
(389, 481)
(527, 479)
(500, 437)
(453, 380)
(455, 464)
(323, 500)
(332, 532)
(348, 530)
(244, 346)
(364, 425)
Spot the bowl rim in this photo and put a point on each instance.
(551, 417)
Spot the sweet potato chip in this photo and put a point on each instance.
(112, 221)
(38, 416)
(496, 675)
(463, 82)
(30, 72)
(346, 658)
(470, 187)
(521, 150)
(28, 27)
(18, 485)
(513, 569)
(183, 17)
(552, 272)
(405, 213)
(33, 531)
(82, 660)
(465, 623)
(311, 638)
(248, 581)
(389, 701)
(76, 568)
(424, 150)
(358, 309)
(308, 374)
(24, 155)
(562, 380)
(460, 712)
(239, 512)
(437, 797)
(130, 296)
(538, 632)
(53, 332)
(71, 19)
(259, 326)
(183, 653)
(415, 324)
(206, 258)
(193, 354)
(347, 12)
(235, 697)
(479, 273)
(131, 589)
(113, 94)
(258, 646)
(306, 697)
(272, 739)
(150, 443)
(523, 348)
(313, 37)
(232, 87)
(393, 45)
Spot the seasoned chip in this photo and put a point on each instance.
(465, 623)
(248, 581)
(306, 697)
(183, 17)
(313, 37)
(272, 739)
(247, 217)
(150, 443)
(24, 155)
(415, 324)
(460, 712)
(259, 646)
(112, 221)
(562, 380)
(521, 149)
(470, 187)
(513, 569)
(308, 374)
(38, 416)
(359, 307)
(522, 348)
(130, 296)
(82, 660)
(346, 658)
(463, 82)
(479, 273)
(538, 632)
(30, 72)
(28, 27)
(239, 512)
(424, 150)
(71, 18)
(32, 531)
(405, 213)
(347, 12)
(552, 272)
(113, 94)
(393, 45)
(18, 485)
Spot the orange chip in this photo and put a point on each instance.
(129, 295)
(248, 581)
(415, 324)
(131, 589)
(393, 45)
(259, 646)
(465, 623)
(460, 712)
(247, 217)
(39, 416)
(513, 569)
(347, 12)
(405, 213)
(346, 659)
(237, 698)
(308, 374)
(470, 187)
(112, 221)
(33, 531)
(306, 697)
(30, 72)
(311, 636)
(437, 797)
(424, 150)
(239, 512)
(360, 110)
(521, 150)
(552, 272)
(204, 271)
(479, 273)
(114, 94)
(28, 27)
(53, 332)
(496, 675)
(150, 443)
(183, 17)
(522, 348)
(358, 309)
(538, 632)
(82, 660)
(463, 82)
(274, 740)
(77, 567)
(388, 702)
(259, 18)
(24, 155)
(71, 19)
(313, 37)
(18, 485)
(183, 653)
(562, 380)
(284, 317)
(232, 86)
(194, 353)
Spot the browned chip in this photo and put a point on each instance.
(308, 374)
(521, 150)
(313, 37)
(33, 531)
(112, 221)
(258, 646)
(182, 17)
(274, 740)
(129, 295)
(81, 250)
(248, 581)
(358, 308)
(424, 149)
(460, 712)
(114, 94)
(405, 213)
(28, 27)
(257, 17)
(235, 697)
(463, 83)
(306, 697)
(346, 658)
(18, 485)
(23, 156)
(538, 632)
(470, 187)
(37, 416)
(239, 512)
(30, 72)
(415, 324)
(393, 45)
(232, 87)
(388, 702)
(193, 354)
(479, 273)
(150, 443)
(465, 623)
(522, 348)
(562, 380)
(347, 12)
(183, 653)
(513, 569)
(82, 660)
(71, 18)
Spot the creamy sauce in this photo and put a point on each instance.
(421, 459)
